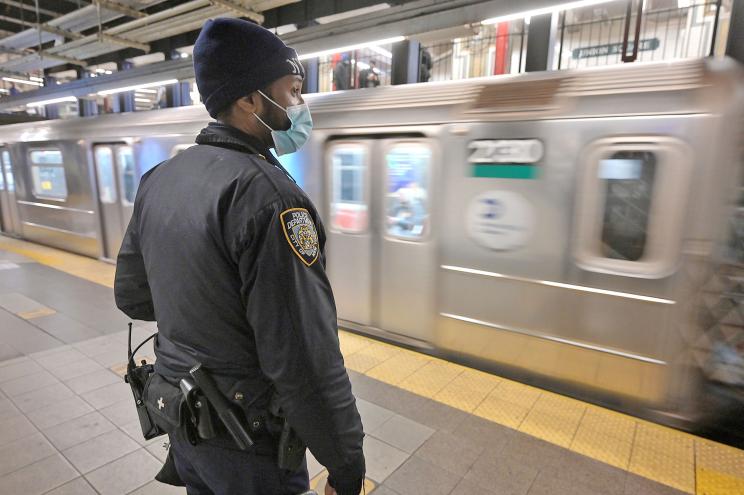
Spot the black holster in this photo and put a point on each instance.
(138, 378)
(291, 449)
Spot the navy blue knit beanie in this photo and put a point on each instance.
(233, 58)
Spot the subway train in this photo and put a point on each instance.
(576, 230)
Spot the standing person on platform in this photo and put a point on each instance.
(369, 78)
(226, 252)
(342, 73)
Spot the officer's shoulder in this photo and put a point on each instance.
(265, 186)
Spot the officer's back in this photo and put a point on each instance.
(225, 251)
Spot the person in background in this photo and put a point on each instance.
(370, 78)
(342, 73)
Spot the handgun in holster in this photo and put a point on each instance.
(230, 415)
(291, 448)
(201, 424)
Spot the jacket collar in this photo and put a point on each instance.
(225, 136)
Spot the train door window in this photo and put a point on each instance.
(629, 183)
(127, 174)
(2, 172)
(630, 207)
(349, 203)
(8, 168)
(407, 194)
(48, 175)
(105, 173)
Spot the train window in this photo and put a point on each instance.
(105, 173)
(629, 182)
(630, 205)
(9, 181)
(127, 175)
(48, 175)
(2, 172)
(407, 200)
(349, 209)
(50, 157)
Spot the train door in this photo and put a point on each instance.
(381, 257)
(11, 223)
(117, 185)
(349, 229)
(406, 261)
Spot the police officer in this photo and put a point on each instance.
(225, 251)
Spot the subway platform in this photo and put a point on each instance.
(68, 425)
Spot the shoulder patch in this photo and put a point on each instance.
(301, 234)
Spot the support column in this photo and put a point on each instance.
(173, 96)
(126, 99)
(51, 111)
(406, 62)
(185, 87)
(540, 43)
(312, 75)
(173, 93)
(86, 107)
(735, 44)
(501, 52)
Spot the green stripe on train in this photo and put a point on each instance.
(505, 171)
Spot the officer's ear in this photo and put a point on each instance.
(249, 104)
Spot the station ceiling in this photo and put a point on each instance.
(58, 35)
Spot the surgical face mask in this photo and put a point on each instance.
(301, 123)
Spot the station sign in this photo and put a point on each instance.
(646, 45)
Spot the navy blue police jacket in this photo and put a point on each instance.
(225, 252)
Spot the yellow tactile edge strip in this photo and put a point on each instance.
(680, 460)
(74, 264)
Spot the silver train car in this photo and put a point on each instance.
(578, 230)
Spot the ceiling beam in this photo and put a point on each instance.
(31, 8)
(122, 9)
(118, 40)
(69, 60)
(13, 20)
(241, 10)
(14, 51)
(60, 32)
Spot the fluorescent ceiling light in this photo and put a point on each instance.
(143, 100)
(37, 79)
(152, 91)
(544, 10)
(52, 101)
(352, 13)
(349, 48)
(381, 51)
(285, 29)
(139, 86)
(22, 81)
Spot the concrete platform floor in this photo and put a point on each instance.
(68, 425)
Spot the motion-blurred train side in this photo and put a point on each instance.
(576, 230)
